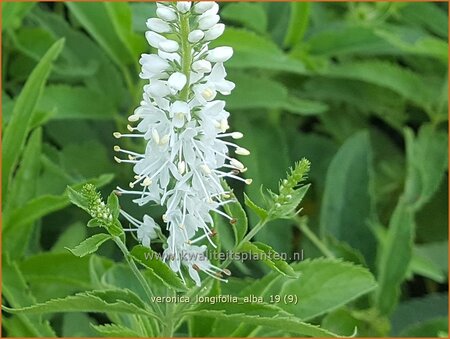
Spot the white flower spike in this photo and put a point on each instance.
(184, 128)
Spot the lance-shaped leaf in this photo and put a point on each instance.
(97, 301)
(150, 260)
(271, 258)
(90, 245)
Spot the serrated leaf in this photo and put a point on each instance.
(98, 301)
(15, 134)
(90, 245)
(259, 211)
(290, 208)
(261, 315)
(77, 198)
(323, 285)
(266, 254)
(150, 259)
(115, 331)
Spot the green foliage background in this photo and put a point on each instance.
(360, 89)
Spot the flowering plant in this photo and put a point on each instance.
(203, 234)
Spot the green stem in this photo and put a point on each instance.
(186, 55)
(303, 227)
(137, 274)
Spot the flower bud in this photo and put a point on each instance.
(220, 54)
(214, 32)
(201, 66)
(183, 6)
(177, 81)
(207, 21)
(202, 6)
(166, 14)
(195, 36)
(168, 46)
(154, 38)
(158, 25)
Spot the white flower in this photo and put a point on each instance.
(177, 81)
(203, 6)
(201, 66)
(168, 46)
(207, 21)
(220, 54)
(183, 6)
(185, 130)
(195, 36)
(214, 32)
(158, 25)
(166, 14)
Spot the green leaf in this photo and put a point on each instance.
(101, 21)
(406, 316)
(437, 327)
(261, 315)
(37, 270)
(254, 51)
(115, 331)
(113, 205)
(70, 237)
(107, 80)
(403, 81)
(249, 15)
(13, 13)
(90, 245)
(150, 260)
(269, 257)
(346, 207)
(304, 106)
(98, 301)
(17, 293)
(76, 102)
(259, 211)
(428, 15)
(423, 45)
(396, 253)
(16, 132)
(323, 286)
(44, 205)
(427, 162)
(23, 187)
(298, 23)
(290, 208)
(77, 198)
(256, 92)
(34, 210)
(235, 211)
